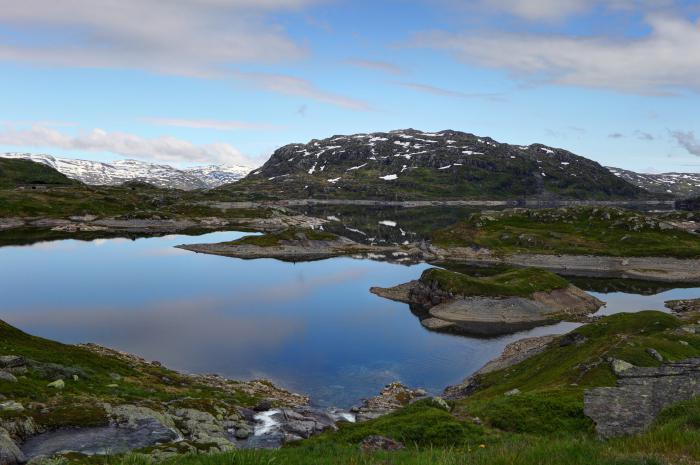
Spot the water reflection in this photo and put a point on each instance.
(312, 327)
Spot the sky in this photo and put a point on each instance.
(193, 82)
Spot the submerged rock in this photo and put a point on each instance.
(640, 395)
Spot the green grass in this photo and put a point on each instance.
(544, 424)
(292, 234)
(422, 423)
(15, 173)
(78, 403)
(522, 282)
(577, 231)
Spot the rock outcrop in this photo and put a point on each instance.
(683, 305)
(375, 443)
(640, 395)
(394, 396)
(10, 454)
(514, 353)
(489, 316)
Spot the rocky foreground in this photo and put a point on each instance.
(84, 407)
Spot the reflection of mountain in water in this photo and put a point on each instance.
(628, 286)
(393, 225)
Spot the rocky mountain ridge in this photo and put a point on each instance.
(119, 172)
(411, 164)
(678, 184)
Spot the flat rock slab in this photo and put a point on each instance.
(662, 269)
(437, 324)
(507, 310)
(640, 395)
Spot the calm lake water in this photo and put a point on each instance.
(310, 327)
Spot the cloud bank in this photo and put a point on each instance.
(665, 61)
(165, 148)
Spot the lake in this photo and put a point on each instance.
(310, 327)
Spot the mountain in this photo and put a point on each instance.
(119, 172)
(412, 165)
(678, 184)
(15, 173)
(218, 175)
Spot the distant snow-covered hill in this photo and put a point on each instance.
(678, 184)
(114, 173)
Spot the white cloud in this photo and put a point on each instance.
(688, 141)
(539, 9)
(552, 10)
(290, 85)
(221, 125)
(664, 61)
(429, 89)
(163, 148)
(375, 65)
(183, 37)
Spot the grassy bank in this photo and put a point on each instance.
(94, 376)
(576, 231)
(543, 424)
(292, 234)
(522, 282)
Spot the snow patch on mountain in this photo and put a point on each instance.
(119, 172)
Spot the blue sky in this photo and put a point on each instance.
(190, 82)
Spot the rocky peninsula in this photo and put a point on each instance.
(505, 303)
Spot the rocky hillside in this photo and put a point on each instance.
(679, 184)
(119, 172)
(410, 164)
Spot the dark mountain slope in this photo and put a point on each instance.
(410, 164)
(14, 173)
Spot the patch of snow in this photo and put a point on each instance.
(389, 177)
(547, 151)
(356, 231)
(388, 223)
(356, 167)
(334, 180)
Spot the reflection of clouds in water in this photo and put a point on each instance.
(300, 287)
(185, 334)
(56, 245)
(218, 333)
(114, 240)
(162, 252)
